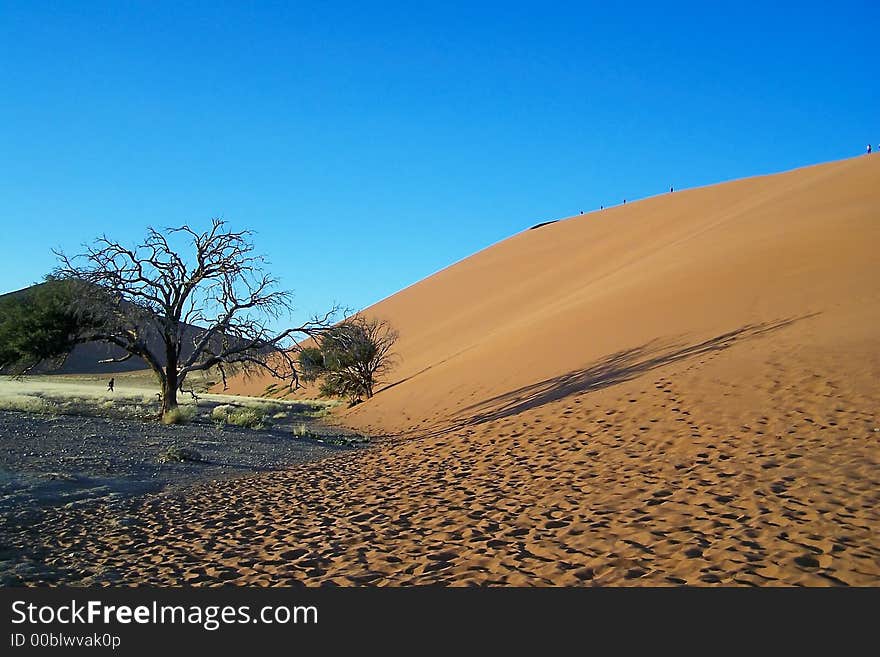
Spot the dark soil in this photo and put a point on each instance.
(65, 459)
(60, 471)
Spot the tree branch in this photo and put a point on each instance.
(121, 359)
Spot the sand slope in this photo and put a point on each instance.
(636, 281)
(682, 390)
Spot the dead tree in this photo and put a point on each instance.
(185, 301)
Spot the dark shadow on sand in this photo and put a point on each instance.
(616, 368)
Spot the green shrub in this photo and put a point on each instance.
(220, 413)
(176, 454)
(341, 440)
(249, 418)
(320, 409)
(273, 408)
(40, 323)
(311, 364)
(350, 358)
(179, 415)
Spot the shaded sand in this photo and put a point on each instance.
(681, 390)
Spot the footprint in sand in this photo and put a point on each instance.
(556, 524)
(807, 560)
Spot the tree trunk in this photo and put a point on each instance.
(170, 382)
(169, 395)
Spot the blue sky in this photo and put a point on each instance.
(370, 145)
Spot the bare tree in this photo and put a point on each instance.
(184, 312)
(351, 357)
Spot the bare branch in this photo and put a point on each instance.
(121, 359)
(190, 309)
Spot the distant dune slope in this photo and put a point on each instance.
(86, 358)
(781, 262)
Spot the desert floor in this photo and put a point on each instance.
(621, 474)
(67, 443)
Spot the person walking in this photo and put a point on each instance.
(110, 385)
(869, 149)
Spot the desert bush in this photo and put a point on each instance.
(179, 415)
(135, 411)
(320, 409)
(221, 413)
(175, 454)
(272, 408)
(341, 440)
(249, 418)
(123, 407)
(350, 358)
(76, 408)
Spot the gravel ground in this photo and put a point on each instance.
(64, 459)
(57, 468)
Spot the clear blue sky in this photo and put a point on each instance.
(370, 145)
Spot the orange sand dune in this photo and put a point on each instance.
(646, 278)
(681, 390)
